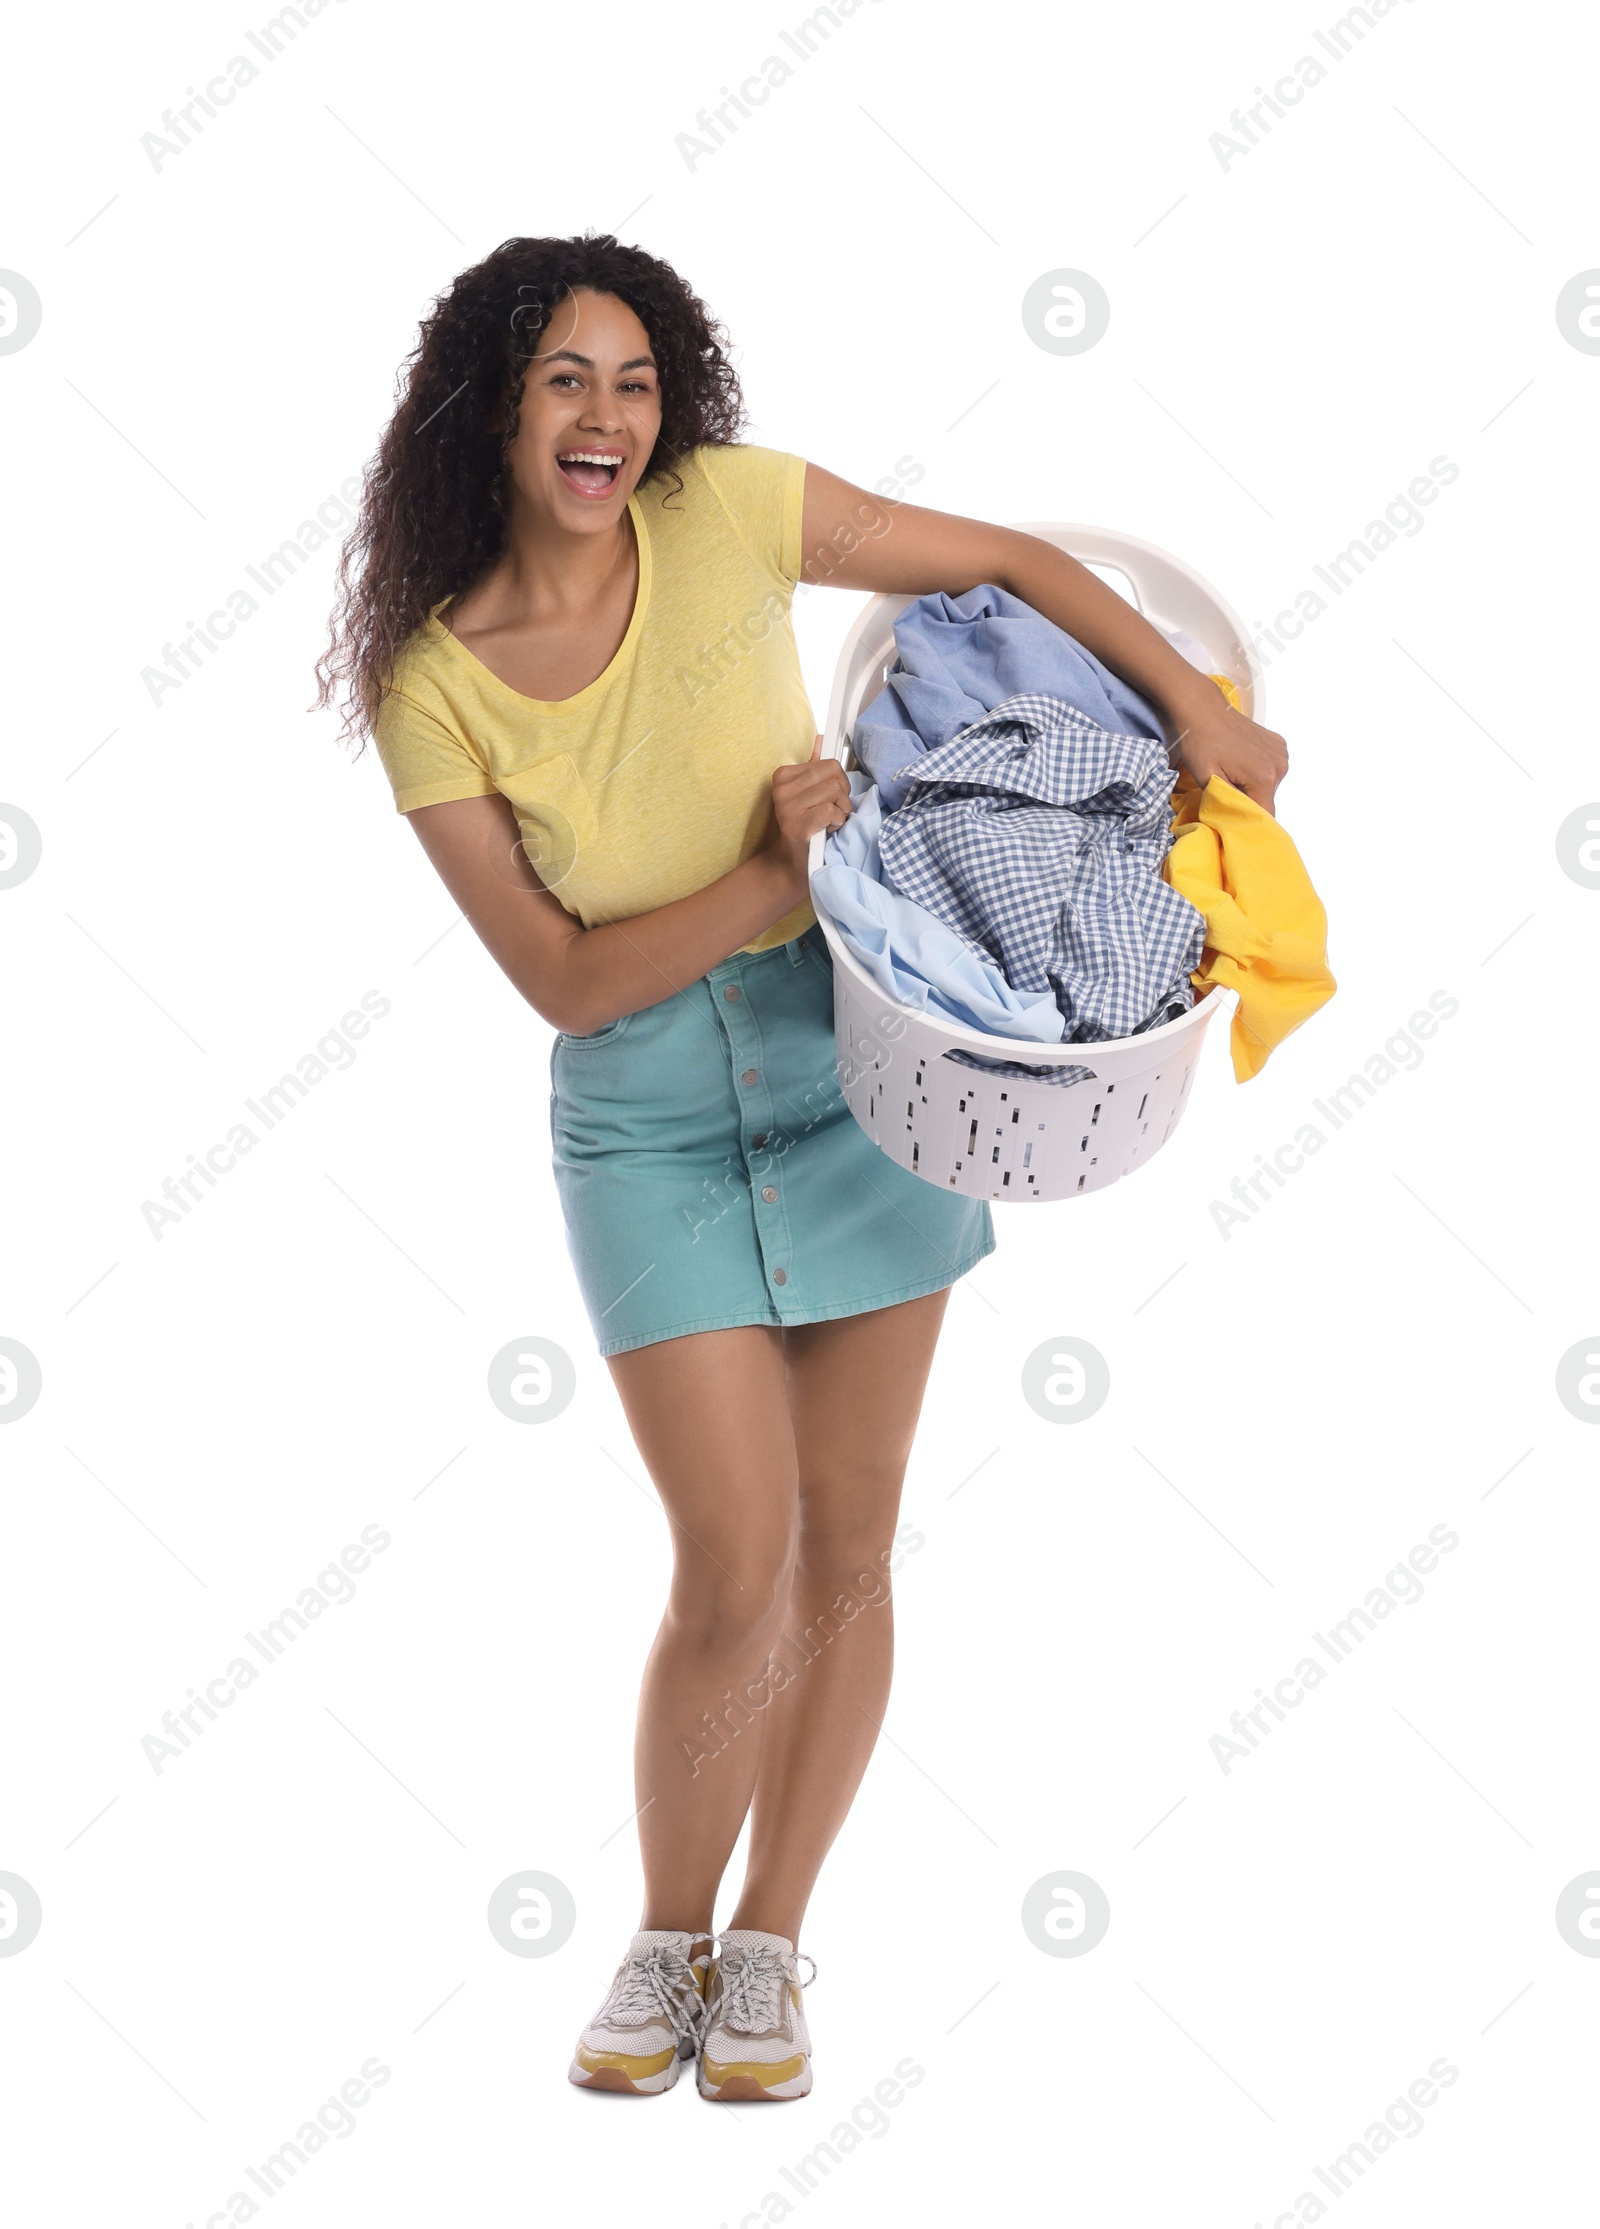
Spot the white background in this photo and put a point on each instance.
(1292, 340)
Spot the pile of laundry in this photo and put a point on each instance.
(1010, 860)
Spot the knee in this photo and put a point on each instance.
(733, 1611)
(851, 1554)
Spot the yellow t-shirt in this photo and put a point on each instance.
(657, 778)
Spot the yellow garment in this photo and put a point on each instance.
(1266, 931)
(655, 779)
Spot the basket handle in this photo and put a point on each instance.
(1089, 1076)
(1161, 583)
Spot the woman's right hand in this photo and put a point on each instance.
(805, 798)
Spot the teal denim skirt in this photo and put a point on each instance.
(711, 1173)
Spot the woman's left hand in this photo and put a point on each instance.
(1214, 739)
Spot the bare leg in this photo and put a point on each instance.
(855, 1390)
(710, 1416)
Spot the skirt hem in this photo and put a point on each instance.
(773, 1321)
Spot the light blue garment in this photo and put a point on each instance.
(912, 957)
(960, 656)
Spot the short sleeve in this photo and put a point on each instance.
(763, 493)
(427, 764)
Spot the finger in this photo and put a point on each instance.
(820, 782)
(816, 749)
(808, 775)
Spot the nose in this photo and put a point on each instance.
(601, 413)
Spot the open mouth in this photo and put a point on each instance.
(591, 472)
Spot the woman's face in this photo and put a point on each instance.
(590, 414)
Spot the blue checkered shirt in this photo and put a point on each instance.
(1039, 836)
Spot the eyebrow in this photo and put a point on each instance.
(571, 356)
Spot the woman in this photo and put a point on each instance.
(565, 619)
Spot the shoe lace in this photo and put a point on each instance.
(753, 1987)
(659, 1981)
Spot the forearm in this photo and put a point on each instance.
(856, 540)
(581, 979)
(621, 967)
(1080, 603)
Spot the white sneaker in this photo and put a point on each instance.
(652, 2017)
(756, 2043)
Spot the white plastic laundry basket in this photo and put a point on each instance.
(1007, 1137)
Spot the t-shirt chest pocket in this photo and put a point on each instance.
(555, 813)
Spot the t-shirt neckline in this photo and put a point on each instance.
(603, 679)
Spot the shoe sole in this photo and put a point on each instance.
(744, 2089)
(613, 2078)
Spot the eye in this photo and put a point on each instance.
(558, 377)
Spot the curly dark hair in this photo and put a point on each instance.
(434, 509)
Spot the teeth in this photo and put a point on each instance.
(589, 456)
